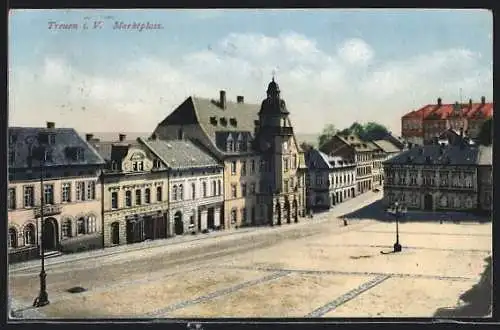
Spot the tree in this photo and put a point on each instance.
(485, 136)
(356, 128)
(306, 146)
(329, 131)
(374, 131)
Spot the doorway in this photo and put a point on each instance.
(115, 233)
(49, 234)
(211, 218)
(428, 202)
(179, 225)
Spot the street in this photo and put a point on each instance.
(316, 268)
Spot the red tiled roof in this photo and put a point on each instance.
(478, 110)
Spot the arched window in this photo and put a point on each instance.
(91, 224)
(174, 193)
(181, 192)
(219, 188)
(159, 196)
(193, 190)
(29, 234)
(12, 238)
(444, 201)
(204, 189)
(67, 228)
(214, 188)
(80, 226)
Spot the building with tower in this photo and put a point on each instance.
(264, 166)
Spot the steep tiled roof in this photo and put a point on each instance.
(433, 111)
(437, 154)
(386, 146)
(316, 159)
(355, 142)
(180, 154)
(485, 155)
(66, 140)
(339, 161)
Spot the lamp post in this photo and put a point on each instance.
(43, 297)
(397, 210)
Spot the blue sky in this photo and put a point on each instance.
(340, 65)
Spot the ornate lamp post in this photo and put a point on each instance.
(398, 210)
(43, 297)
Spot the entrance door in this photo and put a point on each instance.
(49, 234)
(115, 233)
(210, 218)
(428, 202)
(179, 225)
(149, 230)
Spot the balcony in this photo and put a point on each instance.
(48, 210)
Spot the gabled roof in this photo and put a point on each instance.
(316, 159)
(443, 111)
(65, 140)
(339, 162)
(179, 154)
(386, 146)
(355, 142)
(437, 155)
(485, 155)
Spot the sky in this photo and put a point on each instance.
(333, 66)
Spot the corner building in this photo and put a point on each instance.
(263, 165)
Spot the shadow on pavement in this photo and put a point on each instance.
(376, 211)
(478, 299)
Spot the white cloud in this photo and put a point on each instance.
(356, 51)
(319, 87)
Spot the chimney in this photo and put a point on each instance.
(439, 101)
(240, 99)
(51, 124)
(122, 137)
(222, 100)
(483, 100)
(89, 137)
(470, 103)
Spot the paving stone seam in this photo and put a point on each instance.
(404, 247)
(348, 296)
(116, 285)
(425, 233)
(339, 272)
(222, 292)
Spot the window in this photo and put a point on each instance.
(66, 228)
(294, 164)
(219, 187)
(48, 194)
(79, 154)
(252, 166)
(233, 167)
(12, 238)
(29, 198)
(12, 199)
(252, 214)
(90, 190)
(92, 223)
(52, 139)
(234, 215)
(181, 192)
(114, 200)
(156, 163)
(29, 234)
(443, 201)
(80, 226)
(193, 190)
(252, 188)
(147, 196)
(230, 146)
(138, 195)
(214, 188)
(204, 187)
(128, 198)
(66, 192)
(244, 215)
(80, 191)
(134, 166)
(141, 166)
(159, 194)
(233, 190)
(243, 189)
(243, 168)
(319, 180)
(285, 184)
(174, 193)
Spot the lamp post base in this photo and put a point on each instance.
(43, 297)
(397, 247)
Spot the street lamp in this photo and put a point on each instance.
(397, 210)
(43, 297)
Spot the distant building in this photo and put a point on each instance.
(485, 178)
(264, 166)
(438, 177)
(422, 125)
(72, 218)
(385, 150)
(352, 147)
(196, 198)
(329, 180)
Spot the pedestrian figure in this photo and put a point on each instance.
(345, 222)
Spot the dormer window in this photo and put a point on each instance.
(156, 163)
(233, 122)
(223, 121)
(114, 165)
(79, 155)
(230, 143)
(213, 120)
(52, 139)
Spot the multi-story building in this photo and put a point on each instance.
(422, 125)
(342, 178)
(195, 183)
(263, 165)
(352, 147)
(385, 150)
(69, 168)
(485, 178)
(135, 192)
(434, 177)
